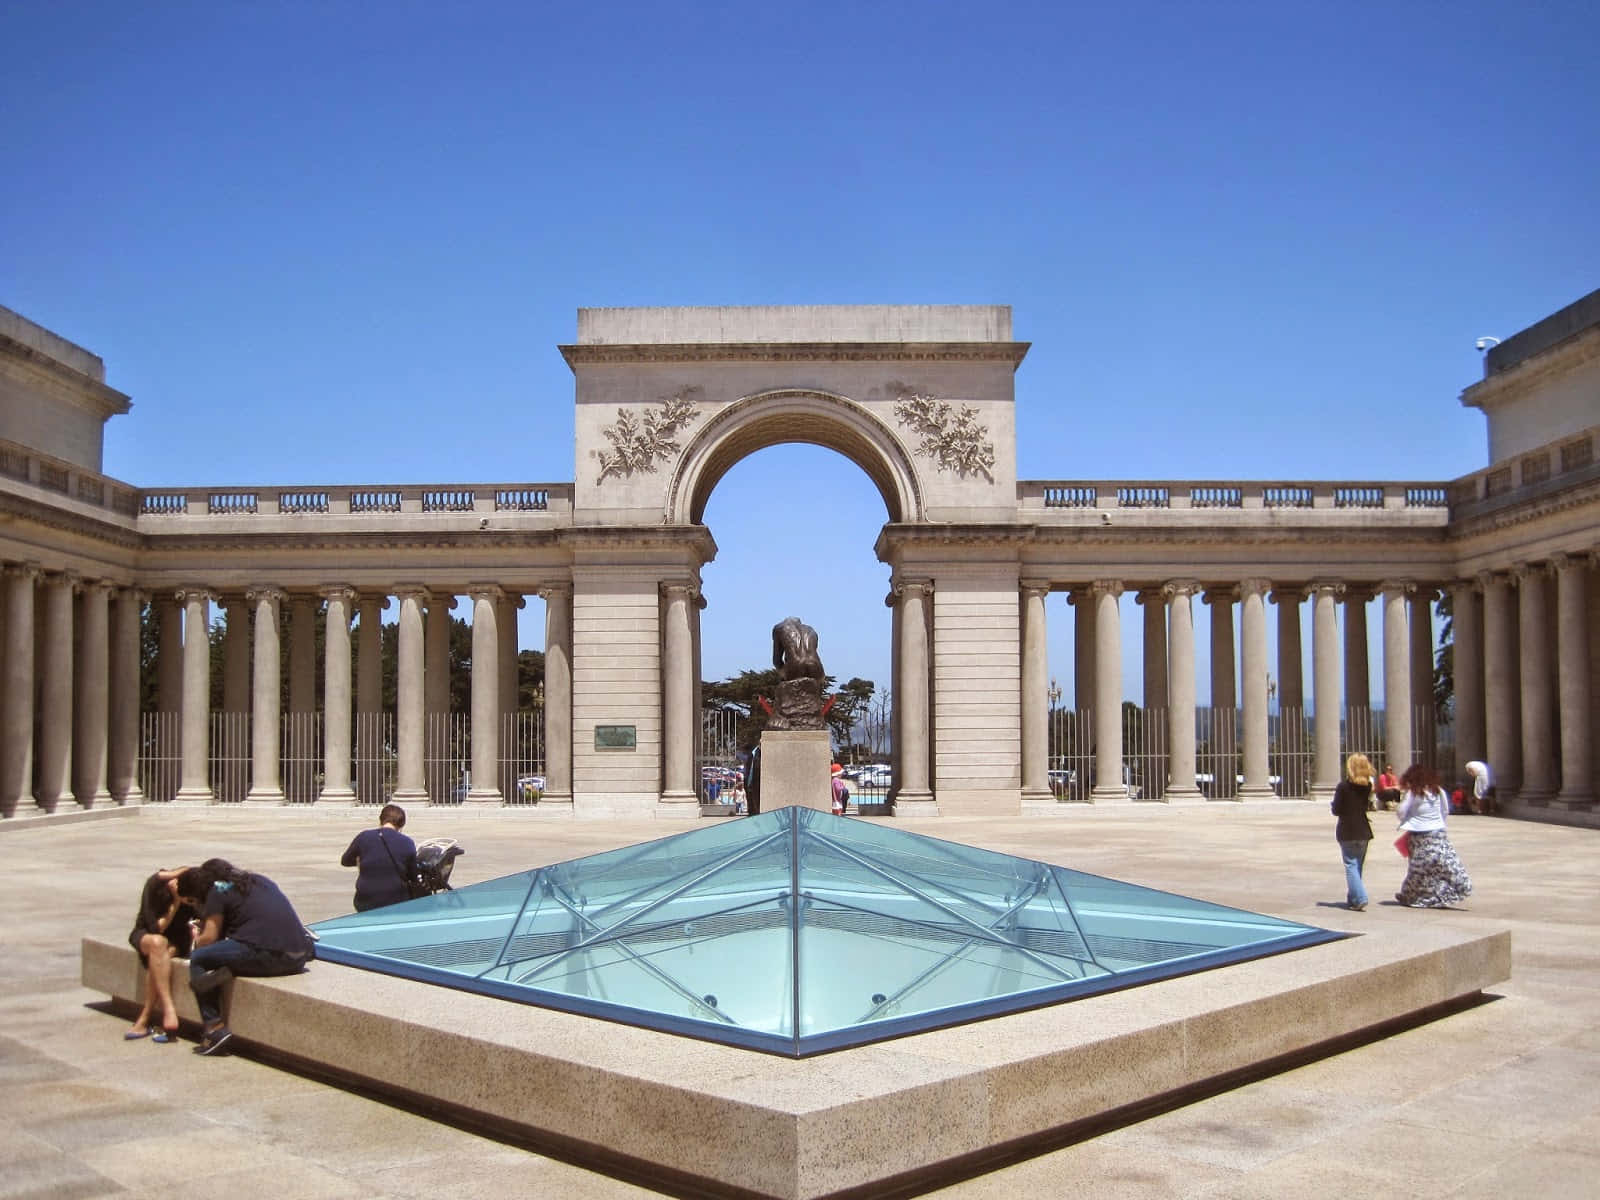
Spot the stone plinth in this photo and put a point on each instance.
(794, 769)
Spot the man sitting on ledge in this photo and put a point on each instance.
(247, 927)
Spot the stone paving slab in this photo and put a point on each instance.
(68, 879)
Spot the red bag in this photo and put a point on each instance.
(1403, 844)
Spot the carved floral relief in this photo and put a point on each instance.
(639, 443)
(953, 437)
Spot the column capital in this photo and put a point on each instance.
(1402, 586)
(1288, 593)
(1031, 587)
(1174, 588)
(266, 592)
(1220, 593)
(1358, 593)
(413, 591)
(1488, 579)
(338, 591)
(135, 593)
(552, 591)
(1318, 587)
(1529, 570)
(905, 586)
(1255, 585)
(672, 588)
(1565, 560)
(29, 570)
(365, 598)
(97, 585)
(1463, 584)
(1104, 587)
(485, 591)
(1153, 594)
(193, 593)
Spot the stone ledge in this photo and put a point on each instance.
(651, 1105)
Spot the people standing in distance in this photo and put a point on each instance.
(1483, 797)
(1435, 877)
(1351, 801)
(840, 789)
(385, 860)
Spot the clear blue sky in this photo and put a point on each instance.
(1246, 240)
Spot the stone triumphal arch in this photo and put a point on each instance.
(922, 399)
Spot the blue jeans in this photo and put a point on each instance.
(1355, 857)
(240, 959)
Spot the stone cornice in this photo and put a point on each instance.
(61, 381)
(70, 520)
(1528, 510)
(1512, 384)
(705, 352)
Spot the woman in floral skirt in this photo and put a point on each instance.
(1435, 877)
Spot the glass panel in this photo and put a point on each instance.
(893, 933)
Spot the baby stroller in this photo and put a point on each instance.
(436, 858)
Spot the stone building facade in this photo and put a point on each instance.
(922, 399)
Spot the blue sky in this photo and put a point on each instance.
(1245, 240)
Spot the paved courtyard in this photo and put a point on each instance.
(1500, 1100)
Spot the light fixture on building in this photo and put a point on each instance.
(1485, 343)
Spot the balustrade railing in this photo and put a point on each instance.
(1054, 495)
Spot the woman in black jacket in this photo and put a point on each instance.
(1351, 801)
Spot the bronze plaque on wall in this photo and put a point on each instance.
(616, 737)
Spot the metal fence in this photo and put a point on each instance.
(522, 773)
(719, 773)
(160, 756)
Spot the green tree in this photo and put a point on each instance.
(1444, 662)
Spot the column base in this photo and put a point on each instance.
(1188, 795)
(102, 798)
(45, 806)
(1322, 792)
(1116, 794)
(342, 795)
(1038, 798)
(263, 797)
(915, 805)
(484, 798)
(1573, 801)
(132, 798)
(193, 795)
(408, 796)
(1257, 791)
(678, 806)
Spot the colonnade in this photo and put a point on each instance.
(70, 665)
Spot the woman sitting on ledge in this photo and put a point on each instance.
(160, 934)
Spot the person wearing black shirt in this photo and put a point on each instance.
(160, 934)
(247, 927)
(386, 858)
(1351, 799)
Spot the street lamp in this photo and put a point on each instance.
(1054, 693)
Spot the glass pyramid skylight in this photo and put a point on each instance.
(893, 933)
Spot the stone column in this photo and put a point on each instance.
(410, 787)
(1291, 677)
(1035, 697)
(1466, 653)
(91, 780)
(1326, 769)
(678, 796)
(1181, 787)
(1396, 675)
(1421, 628)
(16, 695)
(369, 654)
(266, 700)
(1108, 784)
(436, 656)
(1502, 711)
(1575, 669)
(53, 773)
(1253, 670)
(1153, 600)
(1083, 647)
(557, 694)
(505, 619)
(1357, 675)
(169, 658)
(236, 656)
(336, 781)
(913, 796)
(122, 738)
(302, 654)
(1539, 781)
(485, 785)
(194, 785)
(1224, 695)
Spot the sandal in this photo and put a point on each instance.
(133, 1035)
(164, 1037)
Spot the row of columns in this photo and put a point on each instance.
(1169, 672)
(1525, 683)
(69, 710)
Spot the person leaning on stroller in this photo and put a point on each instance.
(386, 859)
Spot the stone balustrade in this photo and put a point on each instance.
(1549, 469)
(1065, 495)
(357, 500)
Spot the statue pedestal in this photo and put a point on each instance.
(794, 769)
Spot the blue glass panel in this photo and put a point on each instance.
(797, 932)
